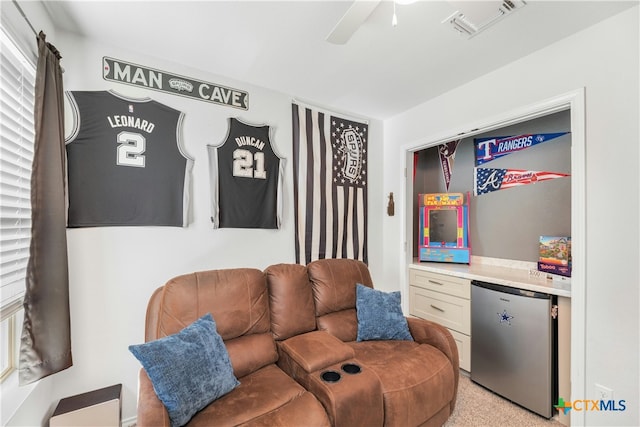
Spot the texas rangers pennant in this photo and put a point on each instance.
(447, 155)
(487, 179)
(488, 149)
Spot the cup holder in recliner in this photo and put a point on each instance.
(351, 368)
(330, 376)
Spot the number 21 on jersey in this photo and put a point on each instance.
(243, 161)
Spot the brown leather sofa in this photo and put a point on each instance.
(285, 329)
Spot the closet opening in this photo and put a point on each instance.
(568, 109)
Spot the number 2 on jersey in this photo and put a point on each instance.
(243, 161)
(130, 149)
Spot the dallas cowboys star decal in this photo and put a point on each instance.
(505, 317)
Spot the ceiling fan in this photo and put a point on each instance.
(354, 17)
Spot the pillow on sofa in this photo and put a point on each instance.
(380, 315)
(189, 369)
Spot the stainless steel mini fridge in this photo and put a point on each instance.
(513, 345)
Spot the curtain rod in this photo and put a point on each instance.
(38, 36)
(25, 17)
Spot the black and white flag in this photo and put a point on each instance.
(329, 185)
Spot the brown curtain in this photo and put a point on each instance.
(45, 346)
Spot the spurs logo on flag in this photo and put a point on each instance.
(350, 145)
(488, 149)
(330, 185)
(487, 179)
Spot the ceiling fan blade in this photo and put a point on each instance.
(355, 16)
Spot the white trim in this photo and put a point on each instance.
(575, 102)
(578, 252)
(12, 351)
(16, 398)
(13, 396)
(129, 422)
(8, 310)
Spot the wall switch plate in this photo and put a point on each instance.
(603, 393)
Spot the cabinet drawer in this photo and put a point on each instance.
(464, 349)
(441, 283)
(451, 312)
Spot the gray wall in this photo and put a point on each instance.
(508, 223)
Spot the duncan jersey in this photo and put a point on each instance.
(126, 163)
(246, 179)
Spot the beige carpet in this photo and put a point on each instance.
(478, 407)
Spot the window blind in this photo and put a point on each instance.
(17, 82)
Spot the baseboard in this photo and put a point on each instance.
(129, 422)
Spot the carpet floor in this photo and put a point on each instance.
(479, 407)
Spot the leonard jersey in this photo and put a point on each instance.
(126, 164)
(246, 179)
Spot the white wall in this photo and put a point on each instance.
(604, 60)
(114, 270)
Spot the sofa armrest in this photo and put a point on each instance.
(314, 350)
(428, 332)
(151, 410)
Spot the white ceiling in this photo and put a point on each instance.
(380, 72)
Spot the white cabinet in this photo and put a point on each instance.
(441, 292)
(446, 300)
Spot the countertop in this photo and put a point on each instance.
(515, 274)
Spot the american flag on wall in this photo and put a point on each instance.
(329, 185)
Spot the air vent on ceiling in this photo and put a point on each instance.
(474, 17)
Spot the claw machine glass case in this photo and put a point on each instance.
(444, 228)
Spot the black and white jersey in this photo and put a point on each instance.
(246, 179)
(126, 162)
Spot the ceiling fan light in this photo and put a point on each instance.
(394, 18)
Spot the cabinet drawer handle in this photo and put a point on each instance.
(436, 283)
(436, 308)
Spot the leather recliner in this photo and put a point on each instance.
(285, 329)
(416, 381)
(238, 301)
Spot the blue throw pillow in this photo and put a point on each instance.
(189, 369)
(380, 315)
